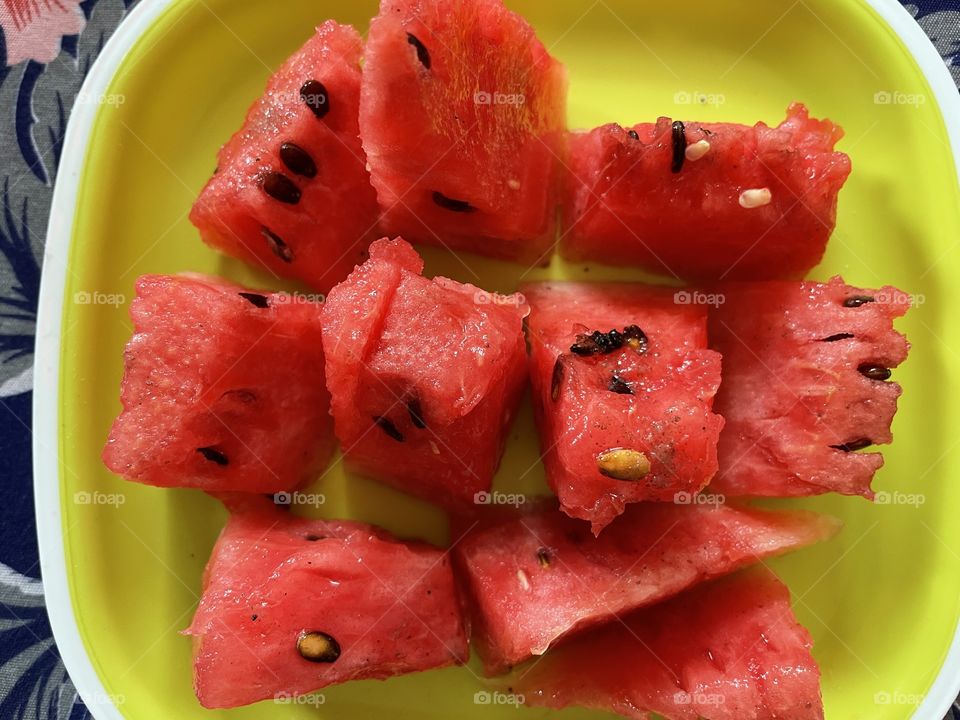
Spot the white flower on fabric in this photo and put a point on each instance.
(32, 29)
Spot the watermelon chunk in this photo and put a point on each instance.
(805, 385)
(541, 576)
(728, 650)
(629, 422)
(425, 375)
(463, 119)
(291, 192)
(223, 389)
(648, 196)
(291, 605)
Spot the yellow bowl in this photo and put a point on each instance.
(122, 562)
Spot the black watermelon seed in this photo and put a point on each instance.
(388, 427)
(416, 413)
(214, 455)
(314, 96)
(255, 299)
(423, 55)
(853, 445)
(856, 301)
(298, 160)
(254, 617)
(633, 134)
(838, 336)
(679, 146)
(318, 647)
(280, 187)
(544, 557)
(874, 372)
(452, 204)
(277, 245)
(312, 537)
(618, 385)
(557, 379)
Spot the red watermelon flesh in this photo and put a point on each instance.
(463, 120)
(805, 368)
(541, 576)
(625, 205)
(728, 650)
(425, 375)
(291, 192)
(223, 389)
(655, 400)
(390, 608)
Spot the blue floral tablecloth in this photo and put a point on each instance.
(46, 49)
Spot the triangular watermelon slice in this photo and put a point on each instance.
(728, 650)
(291, 605)
(542, 575)
(291, 192)
(806, 370)
(463, 121)
(212, 371)
(623, 388)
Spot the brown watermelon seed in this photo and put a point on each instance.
(298, 160)
(853, 445)
(838, 336)
(313, 537)
(416, 413)
(318, 647)
(388, 427)
(452, 204)
(255, 299)
(214, 455)
(314, 95)
(557, 379)
(245, 396)
(633, 134)
(874, 372)
(544, 557)
(423, 55)
(619, 386)
(277, 245)
(280, 187)
(856, 301)
(679, 133)
(623, 464)
(636, 338)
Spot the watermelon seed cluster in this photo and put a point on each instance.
(604, 343)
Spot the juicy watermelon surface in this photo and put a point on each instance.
(463, 116)
(425, 375)
(390, 607)
(655, 400)
(540, 576)
(211, 372)
(625, 204)
(805, 385)
(307, 211)
(727, 650)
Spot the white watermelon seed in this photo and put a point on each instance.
(697, 150)
(755, 197)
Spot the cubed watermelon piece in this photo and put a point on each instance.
(223, 389)
(291, 192)
(540, 576)
(728, 650)
(705, 201)
(623, 387)
(425, 375)
(291, 605)
(463, 121)
(806, 368)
